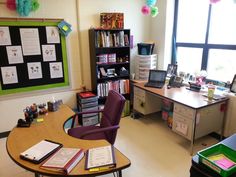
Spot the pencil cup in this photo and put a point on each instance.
(211, 90)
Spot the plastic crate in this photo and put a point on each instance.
(218, 149)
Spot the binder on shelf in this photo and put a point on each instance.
(92, 120)
(64, 160)
(100, 157)
(88, 105)
(40, 151)
(85, 97)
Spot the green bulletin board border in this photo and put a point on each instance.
(39, 23)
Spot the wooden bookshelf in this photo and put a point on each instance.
(109, 51)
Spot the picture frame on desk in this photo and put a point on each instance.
(233, 85)
(171, 70)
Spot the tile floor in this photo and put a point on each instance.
(154, 150)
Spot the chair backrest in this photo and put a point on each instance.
(112, 113)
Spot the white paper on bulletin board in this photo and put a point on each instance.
(30, 41)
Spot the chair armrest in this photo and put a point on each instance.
(89, 132)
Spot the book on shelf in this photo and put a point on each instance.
(100, 157)
(40, 151)
(64, 160)
(111, 39)
(122, 86)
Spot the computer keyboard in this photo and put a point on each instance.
(156, 85)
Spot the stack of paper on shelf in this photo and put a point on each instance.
(87, 101)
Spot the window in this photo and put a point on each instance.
(205, 38)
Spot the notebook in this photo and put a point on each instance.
(156, 78)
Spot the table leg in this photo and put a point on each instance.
(36, 175)
(119, 173)
(223, 122)
(193, 133)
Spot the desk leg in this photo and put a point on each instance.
(119, 173)
(193, 133)
(36, 175)
(224, 121)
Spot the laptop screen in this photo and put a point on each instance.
(157, 76)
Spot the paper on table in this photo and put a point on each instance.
(224, 163)
(39, 150)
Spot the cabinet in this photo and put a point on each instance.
(143, 63)
(208, 119)
(146, 103)
(110, 61)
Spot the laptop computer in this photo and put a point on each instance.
(156, 78)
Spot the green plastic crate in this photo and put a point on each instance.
(215, 150)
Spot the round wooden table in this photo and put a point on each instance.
(52, 128)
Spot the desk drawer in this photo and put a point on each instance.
(184, 110)
(182, 126)
(139, 93)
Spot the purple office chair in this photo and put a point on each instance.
(109, 124)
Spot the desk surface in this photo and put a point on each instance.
(181, 95)
(52, 128)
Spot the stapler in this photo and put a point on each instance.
(23, 123)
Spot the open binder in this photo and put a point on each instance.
(40, 151)
(100, 158)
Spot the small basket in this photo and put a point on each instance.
(214, 151)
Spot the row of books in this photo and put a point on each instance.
(108, 39)
(121, 86)
(61, 159)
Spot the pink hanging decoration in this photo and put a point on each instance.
(11, 4)
(214, 1)
(145, 10)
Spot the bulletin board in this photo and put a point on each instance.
(32, 56)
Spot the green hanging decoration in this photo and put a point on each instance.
(154, 11)
(35, 5)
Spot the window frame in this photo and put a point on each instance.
(205, 46)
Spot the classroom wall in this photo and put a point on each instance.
(134, 20)
(11, 107)
(161, 32)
